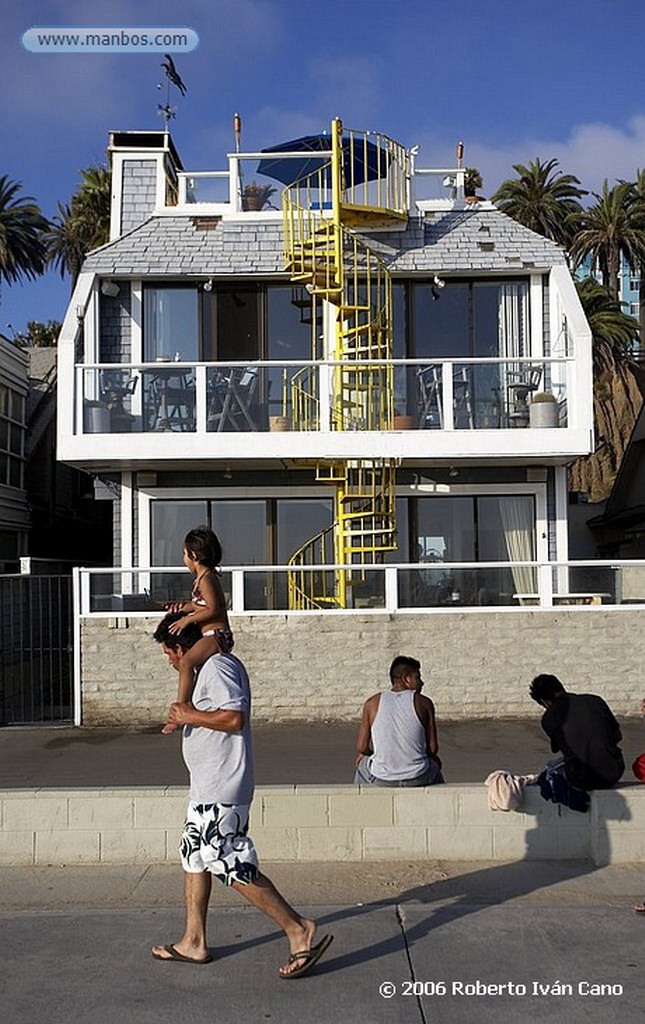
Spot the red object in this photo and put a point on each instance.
(638, 767)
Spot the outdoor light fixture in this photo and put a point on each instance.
(424, 484)
(110, 288)
(208, 285)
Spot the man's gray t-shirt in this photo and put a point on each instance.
(220, 763)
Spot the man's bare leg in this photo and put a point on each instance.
(300, 931)
(197, 891)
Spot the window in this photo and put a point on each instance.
(170, 323)
(476, 319)
(12, 437)
(288, 336)
(253, 531)
(477, 528)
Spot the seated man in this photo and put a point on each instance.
(583, 730)
(397, 740)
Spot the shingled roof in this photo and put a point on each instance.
(456, 241)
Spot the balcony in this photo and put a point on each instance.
(223, 192)
(445, 409)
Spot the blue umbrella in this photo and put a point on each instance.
(364, 161)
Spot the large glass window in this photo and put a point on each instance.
(237, 323)
(257, 531)
(476, 319)
(170, 323)
(469, 529)
(288, 336)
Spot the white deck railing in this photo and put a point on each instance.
(396, 587)
(200, 397)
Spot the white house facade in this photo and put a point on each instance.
(351, 391)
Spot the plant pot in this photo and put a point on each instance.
(96, 418)
(279, 424)
(544, 414)
(252, 203)
(404, 423)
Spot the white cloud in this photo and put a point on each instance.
(592, 152)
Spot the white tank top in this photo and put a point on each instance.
(398, 738)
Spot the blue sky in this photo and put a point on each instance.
(515, 79)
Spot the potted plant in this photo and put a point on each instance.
(402, 421)
(472, 181)
(544, 410)
(256, 197)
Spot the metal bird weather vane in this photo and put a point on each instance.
(174, 78)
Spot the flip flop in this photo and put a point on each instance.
(174, 954)
(310, 957)
(640, 908)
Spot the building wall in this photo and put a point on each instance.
(116, 325)
(316, 668)
(330, 823)
(139, 192)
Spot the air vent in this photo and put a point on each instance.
(206, 223)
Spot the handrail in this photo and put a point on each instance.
(393, 587)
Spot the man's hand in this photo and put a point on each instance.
(179, 714)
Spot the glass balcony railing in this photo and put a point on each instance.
(397, 587)
(428, 394)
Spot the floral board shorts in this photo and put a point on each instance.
(215, 839)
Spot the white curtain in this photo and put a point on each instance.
(512, 319)
(517, 520)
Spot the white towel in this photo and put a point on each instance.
(506, 791)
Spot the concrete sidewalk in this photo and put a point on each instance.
(439, 942)
(492, 943)
(284, 755)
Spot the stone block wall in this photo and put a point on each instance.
(322, 667)
(311, 823)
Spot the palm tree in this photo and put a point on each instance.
(83, 225)
(22, 225)
(67, 243)
(639, 200)
(541, 199)
(613, 227)
(614, 333)
(617, 389)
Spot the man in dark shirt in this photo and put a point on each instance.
(583, 729)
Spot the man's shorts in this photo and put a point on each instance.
(215, 839)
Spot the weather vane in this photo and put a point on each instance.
(174, 78)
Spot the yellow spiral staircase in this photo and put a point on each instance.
(365, 185)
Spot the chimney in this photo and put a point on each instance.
(144, 177)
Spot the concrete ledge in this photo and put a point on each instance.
(316, 823)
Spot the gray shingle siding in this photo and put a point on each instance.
(139, 195)
(115, 325)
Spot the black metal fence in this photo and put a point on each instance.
(36, 644)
